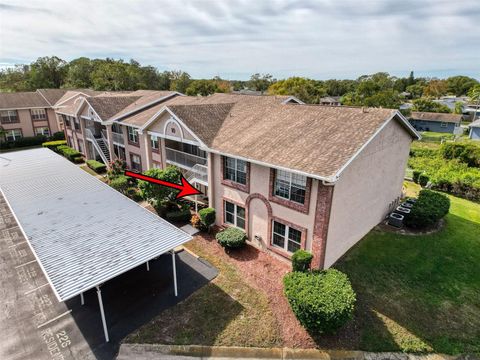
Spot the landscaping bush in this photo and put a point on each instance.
(53, 145)
(179, 216)
(467, 153)
(69, 153)
(429, 208)
(196, 222)
(117, 167)
(78, 160)
(301, 260)
(423, 180)
(59, 135)
(97, 166)
(23, 142)
(207, 216)
(120, 183)
(415, 176)
(322, 301)
(160, 195)
(134, 194)
(231, 237)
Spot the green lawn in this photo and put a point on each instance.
(420, 293)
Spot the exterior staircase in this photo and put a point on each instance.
(197, 174)
(100, 144)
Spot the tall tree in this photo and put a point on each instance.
(47, 72)
(427, 105)
(260, 82)
(304, 89)
(15, 79)
(179, 81)
(79, 73)
(202, 87)
(111, 75)
(435, 88)
(460, 85)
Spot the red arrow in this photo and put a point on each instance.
(185, 189)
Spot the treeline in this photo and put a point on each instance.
(378, 90)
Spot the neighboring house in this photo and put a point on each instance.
(25, 114)
(330, 100)
(436, 122)
(291, 175)
(474, 133)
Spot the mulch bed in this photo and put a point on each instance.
(265, 273)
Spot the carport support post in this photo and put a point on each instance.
(174, 273)
(82, 300)
(148, 266)
(100, 302)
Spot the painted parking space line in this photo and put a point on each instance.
(54, 319)
(33, 290)
(27, 263)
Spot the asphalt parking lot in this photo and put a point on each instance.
(34, 325)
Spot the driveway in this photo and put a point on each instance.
(34, 325)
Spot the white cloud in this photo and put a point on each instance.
(233, 39)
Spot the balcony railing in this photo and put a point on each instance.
(117, 138)
(197, 174)
(184, 159)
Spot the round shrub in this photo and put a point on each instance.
(423, 180)
(322, 301)
(231, 237)
(207, 216)
(120, 183)
(301, 260)
(429, 208)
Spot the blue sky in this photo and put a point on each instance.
(320, 39)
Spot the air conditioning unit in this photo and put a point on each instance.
(411, 200)
(406, 205)
(402, 210)
(395, 219)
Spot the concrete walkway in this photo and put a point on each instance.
(190, 352)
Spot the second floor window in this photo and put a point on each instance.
(290, 186)
(132, 134)
(9, 116)
(154, 141)
(235, 170)
(14, 134)
(39, 114)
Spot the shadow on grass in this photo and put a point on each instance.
(421, 291)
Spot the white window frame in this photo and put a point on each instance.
(139, 163)
(235, 214)
(154, 140)
(290, 176)
(42, 132)
(11, 115)
(443, 124)
(285, 236)
(132, 133)
(15, 134)
(38, 114)
(235, 169)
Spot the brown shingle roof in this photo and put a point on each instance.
(52, 95)
(19, 100)
(146, 97)
(431, 116)
(107, 106)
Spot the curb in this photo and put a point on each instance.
(140, 351)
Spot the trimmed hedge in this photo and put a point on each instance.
(179, 216)
(323, 301)
(207, 216)
(120, 183)
(429, 208)
(53, 145)
(23, 142)
(301, 260)
(69, 153)
(97, 166)
(231, 238)
(59, 135)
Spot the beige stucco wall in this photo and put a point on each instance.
(27, 125)
(258, 221)
(179, 132)
(366, 189)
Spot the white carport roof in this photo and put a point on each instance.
(81, 231)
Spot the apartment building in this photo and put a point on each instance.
(291, 175)
(26, 114)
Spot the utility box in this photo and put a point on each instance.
(396, 220)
